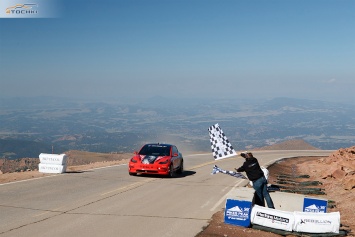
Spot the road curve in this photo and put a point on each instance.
(109, 202)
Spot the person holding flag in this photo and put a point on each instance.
(255, 174)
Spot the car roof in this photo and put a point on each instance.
(157, 144)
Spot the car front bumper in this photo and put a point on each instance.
(148, 169)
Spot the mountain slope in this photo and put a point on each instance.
(290, 145)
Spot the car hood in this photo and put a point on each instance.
(149, 159)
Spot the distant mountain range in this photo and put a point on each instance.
(20, 149)
(29, 126)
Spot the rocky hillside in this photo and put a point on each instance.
(18, 165)
(340, 166)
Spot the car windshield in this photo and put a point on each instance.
(155, 150)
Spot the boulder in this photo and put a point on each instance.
(338, 174)
(349, 184)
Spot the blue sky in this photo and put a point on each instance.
(183, 48)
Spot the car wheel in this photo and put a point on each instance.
(171, 171)
(181, 168)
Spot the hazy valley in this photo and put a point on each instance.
(29, 126)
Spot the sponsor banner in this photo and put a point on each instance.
(315, 205)
(237, 212)
(50, 168)
(56, 159)
(272, 218)
(310, 222)
(220, 145)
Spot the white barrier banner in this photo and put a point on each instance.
(272, 218)
(50, 168)
(317, 222)
(56, 159)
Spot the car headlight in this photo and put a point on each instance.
(133, 160)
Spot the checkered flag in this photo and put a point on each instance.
(221, 147)
(216, 170)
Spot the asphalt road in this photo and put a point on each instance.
(109, 202)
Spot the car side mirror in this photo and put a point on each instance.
(175, 154)
(135, 152)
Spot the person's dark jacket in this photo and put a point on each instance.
(252, 168)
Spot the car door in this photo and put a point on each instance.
(176, 159)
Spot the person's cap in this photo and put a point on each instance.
(244, 153)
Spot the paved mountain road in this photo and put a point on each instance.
(109, 202)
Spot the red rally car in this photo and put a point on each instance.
(159, 159)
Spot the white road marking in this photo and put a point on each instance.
(223, 199)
